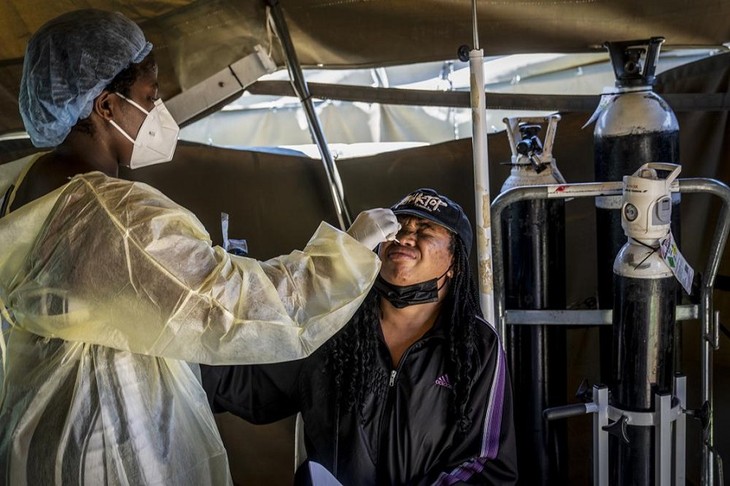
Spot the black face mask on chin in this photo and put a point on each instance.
(404, 295)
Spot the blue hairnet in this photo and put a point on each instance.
(68, 63)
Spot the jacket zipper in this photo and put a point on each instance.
(380, 475)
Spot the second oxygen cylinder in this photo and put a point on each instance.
(635, 126)
(534, 242)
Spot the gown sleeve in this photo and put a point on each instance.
(118, 264)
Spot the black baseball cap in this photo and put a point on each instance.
(429, 204)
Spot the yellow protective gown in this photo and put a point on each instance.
(110, 289)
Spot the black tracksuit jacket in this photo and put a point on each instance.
(402, 434)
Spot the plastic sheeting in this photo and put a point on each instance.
(111, 288)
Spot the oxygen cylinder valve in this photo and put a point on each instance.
(632, 61)
(626, 61)
(530, 146)
(532, 159)
(647, 208)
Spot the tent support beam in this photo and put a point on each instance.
(495, 101)
(299, 85)
(482, 200)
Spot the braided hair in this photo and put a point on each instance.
(351, 354)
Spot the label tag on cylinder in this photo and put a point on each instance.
(676, 262)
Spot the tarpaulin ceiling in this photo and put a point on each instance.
(195, 39)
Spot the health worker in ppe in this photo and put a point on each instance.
(108, 289)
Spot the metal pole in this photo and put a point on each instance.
(680, 432)
(722, 191)
(481, 177)
(663, 440)
(300, 87)
(600, 436)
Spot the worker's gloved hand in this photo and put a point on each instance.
(374, 226)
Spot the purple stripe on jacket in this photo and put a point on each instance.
(491, 431)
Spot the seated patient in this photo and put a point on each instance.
(108, 289)
(414, 390)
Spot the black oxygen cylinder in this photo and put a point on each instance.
(534, 279)
(643, 342)
(636, 126)
(534, 256)
(644, 311)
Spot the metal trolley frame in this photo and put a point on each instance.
(670, 443)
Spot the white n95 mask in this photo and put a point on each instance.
(156, 139)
